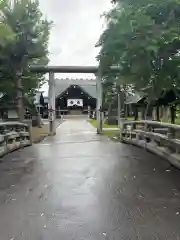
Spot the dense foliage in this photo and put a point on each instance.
(28, 35)
(142, 38)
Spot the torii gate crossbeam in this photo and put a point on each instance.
(65, 69)
(71, 69)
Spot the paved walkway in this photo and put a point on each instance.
(80, 186)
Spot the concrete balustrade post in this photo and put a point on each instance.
(171, 133)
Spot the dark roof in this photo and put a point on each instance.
(167, 97)
(89, 86)
(134, 98)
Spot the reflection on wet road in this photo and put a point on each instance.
(81, 186)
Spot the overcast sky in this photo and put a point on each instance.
(76, 29)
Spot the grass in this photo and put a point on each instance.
(130, 118)
(177, 121)
(38, 134)
(94, 123)
(109, 133)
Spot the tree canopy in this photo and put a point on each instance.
(28, 45)
(142, 39)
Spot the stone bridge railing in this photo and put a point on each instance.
(14, 135)
(159, 138)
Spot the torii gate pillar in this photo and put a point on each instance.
(99, 103)
(52, 107)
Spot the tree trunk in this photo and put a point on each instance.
(135, 113)
(147, 111)
(157, 113)
(143, 113)
(39, 121)
(126, 114)
(109, 109)
(36, 117)
(20, 104)
(173, 114)
(130, 110)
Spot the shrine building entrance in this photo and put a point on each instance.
(72, 69)
(69, 97)
(75, 96)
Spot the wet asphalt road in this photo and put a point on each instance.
(80, 186)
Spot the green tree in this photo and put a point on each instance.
(29, 46)
(6, 33)
(142, 39)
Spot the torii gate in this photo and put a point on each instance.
(72, 69)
